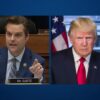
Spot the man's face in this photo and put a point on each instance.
(15, 38)
(83, 42)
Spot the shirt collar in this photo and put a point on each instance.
(10, 56)
(77, 57)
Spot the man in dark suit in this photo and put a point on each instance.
(66, 64)
(17, 61)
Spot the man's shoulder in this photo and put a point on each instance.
(3, 50)
(3, 54)
(37, 56)
(34, 55)
(96, 54)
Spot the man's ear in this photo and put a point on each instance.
(27, 37)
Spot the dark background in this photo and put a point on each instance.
(41, 22)
(36, 23)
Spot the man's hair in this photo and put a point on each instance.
(18, 20)
(83, 24)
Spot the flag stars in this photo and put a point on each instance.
(53, 30)
(64, 22)
(55, 19)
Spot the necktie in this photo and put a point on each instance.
(81, 74)
(13, 70)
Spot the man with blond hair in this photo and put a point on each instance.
(79, 64)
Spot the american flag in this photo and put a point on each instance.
(58, 34)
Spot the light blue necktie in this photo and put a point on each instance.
(13, 71)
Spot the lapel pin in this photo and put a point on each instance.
(25, 65)
(95, 67)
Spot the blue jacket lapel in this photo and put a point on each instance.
(92, 68)
(70, 67)
(25, 64)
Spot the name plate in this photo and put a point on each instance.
(24, 80)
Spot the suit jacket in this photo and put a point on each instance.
(28, 59)
(63, 68)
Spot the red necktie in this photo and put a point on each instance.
(81, 74)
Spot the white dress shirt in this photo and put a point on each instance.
(77, 62)
(9, 63)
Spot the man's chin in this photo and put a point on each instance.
(85, 54)
(13, 51)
